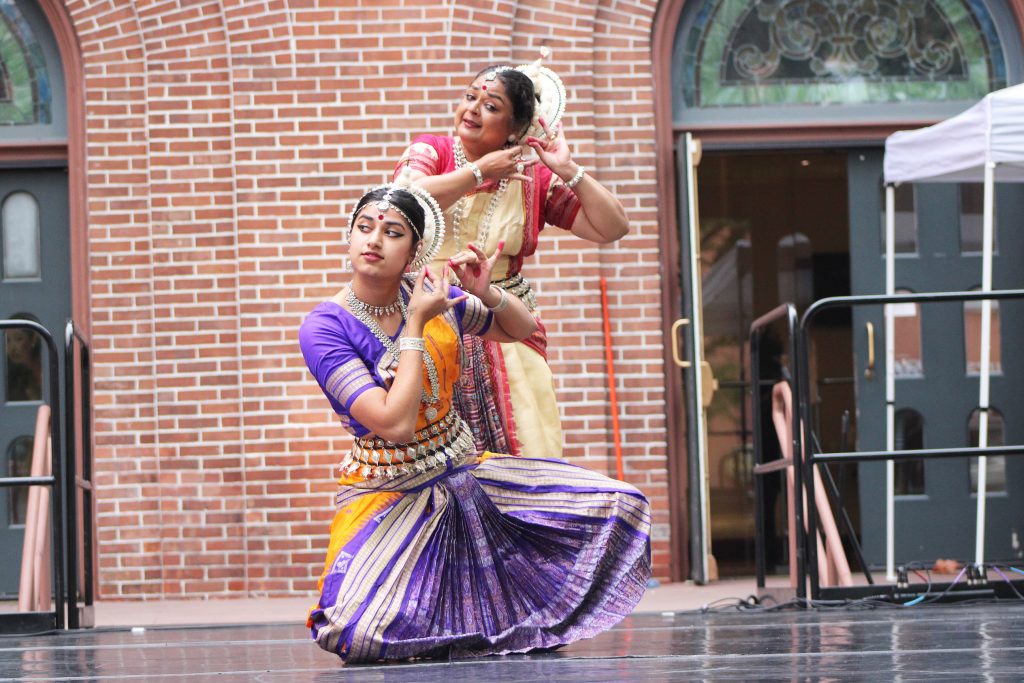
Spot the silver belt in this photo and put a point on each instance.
(447, 440)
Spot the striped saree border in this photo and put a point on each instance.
(556, 553)
(381, 551)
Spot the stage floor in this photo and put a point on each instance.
(932, 642)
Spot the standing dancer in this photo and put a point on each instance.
(493, 194)
(435, 550)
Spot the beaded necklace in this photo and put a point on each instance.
(363, 313)
(460, 207)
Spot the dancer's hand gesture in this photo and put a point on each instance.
(473, 269)
(506, 163)
(553, 150)
(430, 297)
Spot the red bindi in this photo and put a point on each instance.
(380, 216)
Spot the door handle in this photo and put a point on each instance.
(869, 371)
(677, 357)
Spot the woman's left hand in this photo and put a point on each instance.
(473, 269)
(553, 150)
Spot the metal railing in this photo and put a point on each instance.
(73, 483)
(761, 468)
(809, 568)
(65, 483)
(42, 621)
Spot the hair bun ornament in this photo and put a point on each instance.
(550, 93)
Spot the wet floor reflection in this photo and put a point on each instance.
(948, 642)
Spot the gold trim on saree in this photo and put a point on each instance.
(446, 441)
(518, 286)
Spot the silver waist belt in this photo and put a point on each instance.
(447, 440)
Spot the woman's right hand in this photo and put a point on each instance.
(430, 298)
(502, 163)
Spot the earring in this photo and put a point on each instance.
(511, 138)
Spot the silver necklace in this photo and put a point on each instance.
(378, 311)
(362, 312)
(460, 207)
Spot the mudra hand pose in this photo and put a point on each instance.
(498, 191)
(437, 549)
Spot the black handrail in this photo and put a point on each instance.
(72, 481)
(803, 361)
(874, 456)
(56, 479)
(757, 327)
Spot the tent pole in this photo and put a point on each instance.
(986, 355)
(890, 382)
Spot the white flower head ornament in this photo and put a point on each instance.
(550, 93)
(433, 218)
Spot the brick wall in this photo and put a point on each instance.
(225, 143)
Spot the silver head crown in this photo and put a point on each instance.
(433, 223)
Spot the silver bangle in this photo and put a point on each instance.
(575, 180)
(477, 173)
(411, 344)
(502, 302)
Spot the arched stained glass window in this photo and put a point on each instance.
(25, 92)
(889, 58)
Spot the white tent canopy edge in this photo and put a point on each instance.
(957, 149)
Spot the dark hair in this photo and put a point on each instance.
(404, 202)
(519, 88)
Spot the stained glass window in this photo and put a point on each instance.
(25, 93)
(782, 53)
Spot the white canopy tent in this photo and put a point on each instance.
(983, 144)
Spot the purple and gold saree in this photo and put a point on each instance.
(437, 550)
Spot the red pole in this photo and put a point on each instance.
(616, 433)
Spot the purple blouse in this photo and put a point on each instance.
(346, 359)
